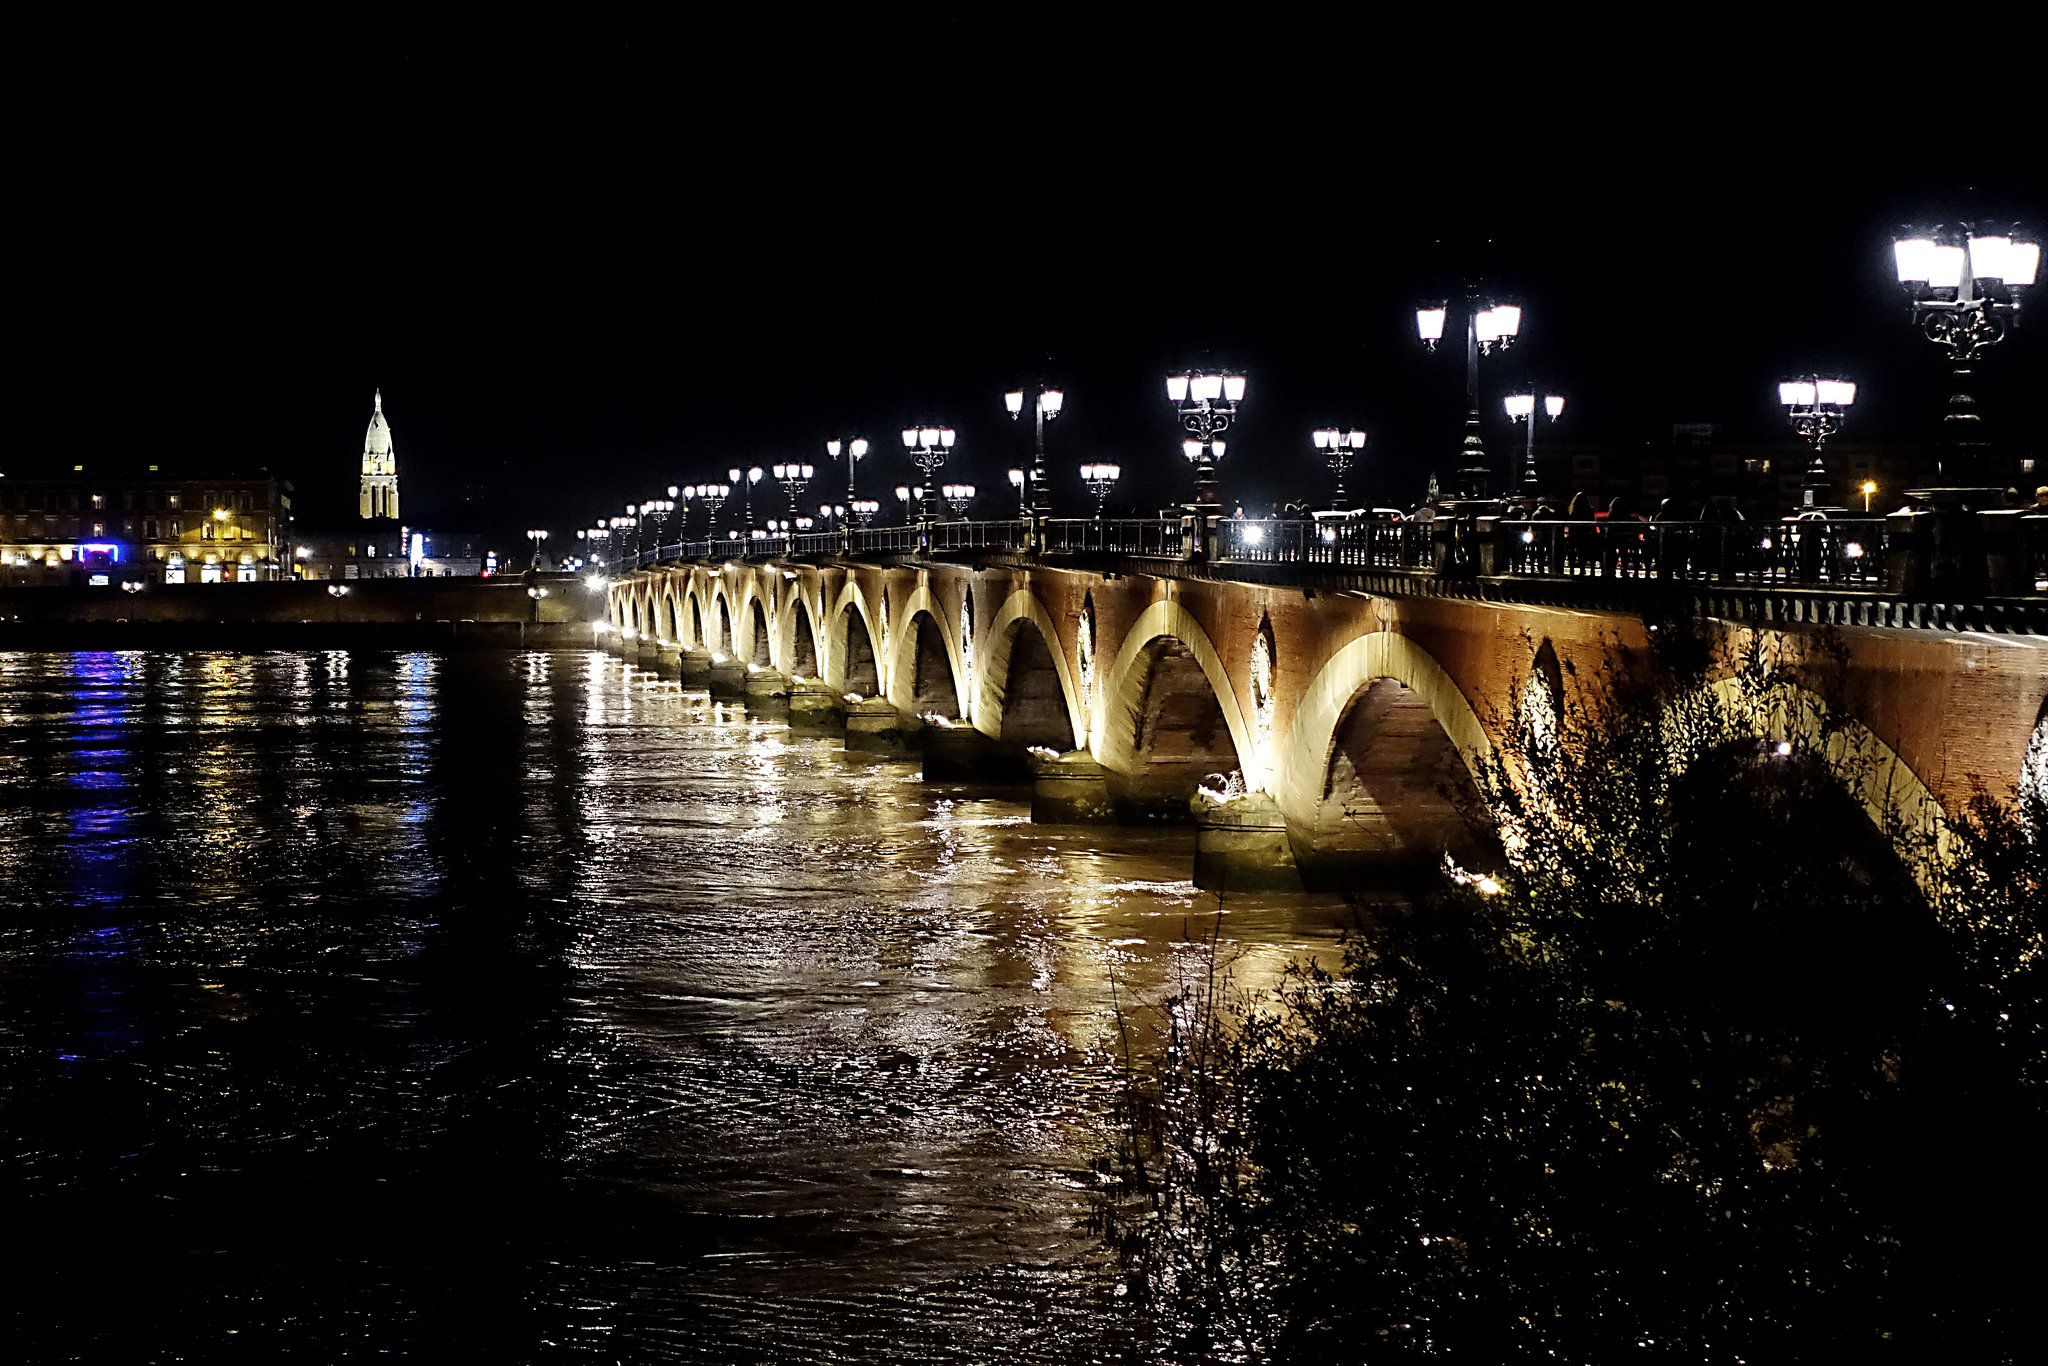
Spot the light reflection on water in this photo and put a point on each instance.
(531, 1001)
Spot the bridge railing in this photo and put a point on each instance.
(979, 535)
(1156, 537)
(1905, 555)
(1816, 552)
(1349, 542)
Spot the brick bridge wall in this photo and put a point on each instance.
(1352, 711)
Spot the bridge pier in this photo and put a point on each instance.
(767, 693)
(1069, 789)
(668, 659)
(728, 680)
(874, 726)
(814, 709)
(1241, 845)
(957, 754)
(694, 667)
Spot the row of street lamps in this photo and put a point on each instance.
(1965, 284)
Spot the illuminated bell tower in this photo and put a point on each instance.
(380, 467)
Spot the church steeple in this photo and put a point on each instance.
(379, 495)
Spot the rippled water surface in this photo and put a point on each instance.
(524, 1007)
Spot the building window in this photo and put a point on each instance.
(99, 502)
(174, 501)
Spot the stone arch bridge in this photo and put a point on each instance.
(1331, 711)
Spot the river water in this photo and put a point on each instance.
(524, 1007)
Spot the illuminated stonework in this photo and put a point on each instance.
(379, 493)
(1262, 700)
(1084, 648)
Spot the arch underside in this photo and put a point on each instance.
(1397, 796)
(856, 655)
(1179, 737)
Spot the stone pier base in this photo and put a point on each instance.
(768, 694)
(695, 667)
(1069, 790)
(728, 680)
(815, 709)
(955, 754)
(668, 659)
(1241, 845)
(874, 726)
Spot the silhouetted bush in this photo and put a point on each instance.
(1721, 1068)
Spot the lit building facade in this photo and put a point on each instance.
(100, 528)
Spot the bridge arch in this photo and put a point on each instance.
(854, 662)
(1375, 770)
(1025, 690)
(758, 646)
(803, 657)
(924, 671)
(721, 622)
(1168, 717)
(1894, 798)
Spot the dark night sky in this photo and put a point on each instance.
(584, 265)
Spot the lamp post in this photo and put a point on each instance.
(1045, 406)
(856, 449)
(928, 447)
(864, 509)
(1488, 328)
(536, 535)
(1816, 408)
(958, 496)
(1207, 403)
(1337, 447)
(1100, 479)
(1966, 283)
(1017, 483)
(1522, 408)
(903, 495)
(746, 479)
(795, 479)
(713, 497)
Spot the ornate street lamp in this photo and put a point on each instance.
(903, 495)
(958, 496)
(795, 479)
(928, 447)
(855, 448)
(1100, 479)
(713, 497)
(1522, 408)
(1338, 448)
(1045, 406)
(1966, 282)
(1488, 328)
(1017, 483)
(536, 535)
(864, 509)
(1816, 407)
(1207, 403)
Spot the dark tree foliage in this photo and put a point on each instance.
(1741, 1059)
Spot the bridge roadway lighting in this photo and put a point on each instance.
(1966, 282)
(1100, 479)
(1522, 408)
(1337, 447)
(1816, 408)
(746, 479)
(794, 479)
(1207, 404)
(957, 497)
(856, 449)
(1045, 406)
(928, 447)
(1488, 328)
(864, 509)
(1017, 483)
(536, 535)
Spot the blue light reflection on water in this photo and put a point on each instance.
(531, 1001)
